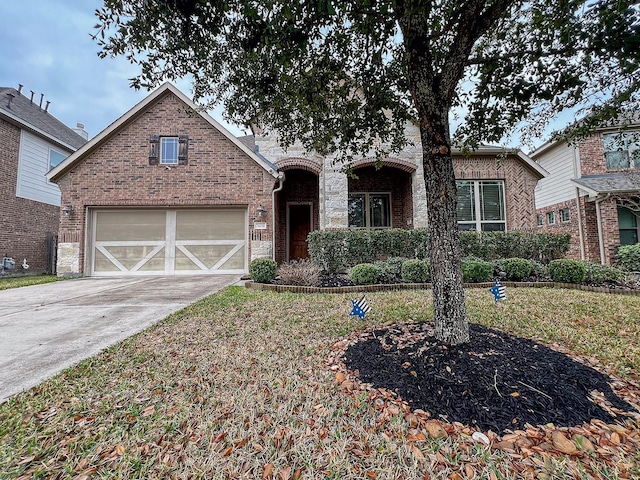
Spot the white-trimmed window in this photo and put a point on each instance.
(481, 205)
(540, 220)
(369, 210)
(56, 158)
(628, 226)
(622, 150)
(565, 215)
(169, 150)
(551, 218)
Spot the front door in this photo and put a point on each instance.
(299, 227)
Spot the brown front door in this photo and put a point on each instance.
(299, 228)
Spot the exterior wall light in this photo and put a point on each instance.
(261, 212)
(66, 211)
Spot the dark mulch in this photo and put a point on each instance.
(495, 382)
(335, 281)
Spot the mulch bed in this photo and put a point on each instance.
(508, 393)
(495, 382)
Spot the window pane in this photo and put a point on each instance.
(492, 227)
(356, 211)
(491, 201)
(379, 211)
(626, 218)
(628, 237)
(55, 158)
(466, 202)
(466, 226)
(169, 150)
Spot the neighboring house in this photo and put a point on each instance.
(33, 141)
(592, 192)
(166, 190)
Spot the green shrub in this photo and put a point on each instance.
(596, 273)
(475, 270)
(567, 271)
(365, 274)
(263, 270)
(517, 269)
(538, 270)
(415, 271)
(629, 257)
(391, 270)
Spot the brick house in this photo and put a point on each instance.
(33, 141)
(495, 192)
(167, 190)
(592, 192)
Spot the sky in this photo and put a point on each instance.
(46, 46)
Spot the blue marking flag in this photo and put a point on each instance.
(360, 308)
(499, 291)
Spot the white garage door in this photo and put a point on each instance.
(168, 242)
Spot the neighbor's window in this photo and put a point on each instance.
(56, 158)
(564, 215)
(540, 219)
(169, 150)
(370, 210)
(481, 205)
(551, 218)
(628, 226)
(622, 150)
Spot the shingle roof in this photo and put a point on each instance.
(30, 114)
(628, 182)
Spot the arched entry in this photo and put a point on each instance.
(297, 210)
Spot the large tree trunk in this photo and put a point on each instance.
(450, 316)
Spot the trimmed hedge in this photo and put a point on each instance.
(263, 270)
(338, 250)
(416, 271)
(567, 271)
(517, 269)
(629, 257)
(475, 270)
(365, 274)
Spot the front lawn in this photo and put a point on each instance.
(239, 386)
(23, 281)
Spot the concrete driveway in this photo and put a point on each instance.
(47, 328)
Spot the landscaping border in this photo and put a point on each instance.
(427, 286)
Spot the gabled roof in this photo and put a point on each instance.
(609, 183)
(138, 110)
(30, 116)
(495, 150)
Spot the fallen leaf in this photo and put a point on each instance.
(563, 444)
(434, 429)
(340, 377)
(149, 410)
(285, 473)
(297, 474)
(268, 471)
(480, 438)
(120, 450)
(227, 451)
(418, 454)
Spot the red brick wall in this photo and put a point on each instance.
(387, 179)
(118, 173)
(519, 185)
(592, 160)
(24, 224)
(610, 232)
(299, 186)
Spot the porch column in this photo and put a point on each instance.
(419, 197)
(334, 197)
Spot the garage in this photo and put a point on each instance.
(168, 241)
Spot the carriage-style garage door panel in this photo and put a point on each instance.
(169, 242)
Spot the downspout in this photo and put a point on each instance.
(577, 173)
(580, 226)
(281, 179)
(599, 222)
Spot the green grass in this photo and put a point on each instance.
(26, 280)
(237, 384)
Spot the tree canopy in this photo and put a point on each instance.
(344, 78)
